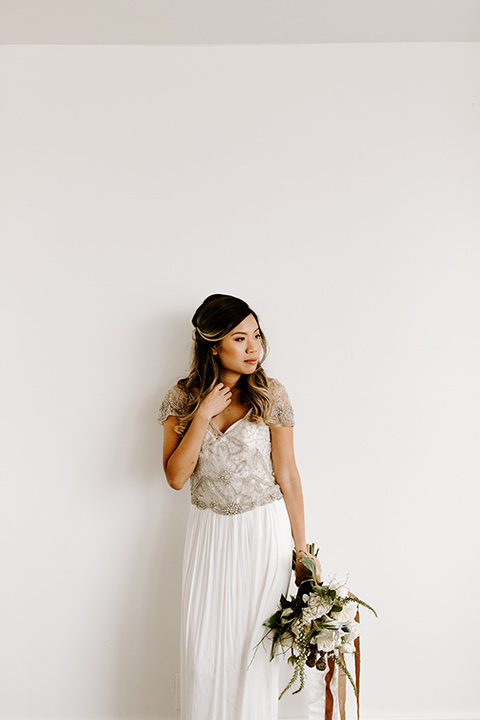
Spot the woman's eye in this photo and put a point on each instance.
(241, 338)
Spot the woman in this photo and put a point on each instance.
(228, 428)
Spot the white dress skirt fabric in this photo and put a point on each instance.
(235, 569)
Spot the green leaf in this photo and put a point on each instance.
(310, 564)
(274, 621)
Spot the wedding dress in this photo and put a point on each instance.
(237, 563)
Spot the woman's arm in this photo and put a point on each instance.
(180, 454)
(288, 477)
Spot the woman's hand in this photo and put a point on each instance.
(180, 454)
(215, 402)
(303, 573)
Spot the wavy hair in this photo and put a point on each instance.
(213, 321)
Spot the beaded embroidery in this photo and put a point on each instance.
(234, 472)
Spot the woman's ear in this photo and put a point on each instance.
(214, 350)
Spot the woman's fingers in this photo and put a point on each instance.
(225, 391)
(219, 398)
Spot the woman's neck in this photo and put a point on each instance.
(230, 379)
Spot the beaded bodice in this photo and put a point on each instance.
(234, 471)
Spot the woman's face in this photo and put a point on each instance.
(240, 351)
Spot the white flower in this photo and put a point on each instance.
(299, 626)
(340, 587)
(335, 625)
(307, 616)
(318, 605)
(346, 647)
(326, 640)
(347, 613)
(288, 611)
(353, 631)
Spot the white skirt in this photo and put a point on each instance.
(235, 569)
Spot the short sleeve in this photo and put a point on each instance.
(174, 403)
(281, 412)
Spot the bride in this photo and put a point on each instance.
(228, 428)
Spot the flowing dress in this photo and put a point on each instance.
(237, 563)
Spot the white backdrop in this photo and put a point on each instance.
(336, 189)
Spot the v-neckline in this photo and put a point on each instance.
(224, 432)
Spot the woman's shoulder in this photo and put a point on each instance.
(175, 402)
(281, 411)
(274, 385)
(277, 390)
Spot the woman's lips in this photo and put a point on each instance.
(251, 361)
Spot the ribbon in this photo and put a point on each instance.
(342, 689)
(329, 700)
(318, 693)
(357, 665)
(328, 688)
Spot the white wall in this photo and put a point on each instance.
(336, 189)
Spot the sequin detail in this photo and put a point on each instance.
(234, 472)
(173, 403)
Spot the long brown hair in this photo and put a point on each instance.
(212, 321)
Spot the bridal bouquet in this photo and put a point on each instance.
(317, 626)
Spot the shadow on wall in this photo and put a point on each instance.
(149, 618)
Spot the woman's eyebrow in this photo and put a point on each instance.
(244, 333)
